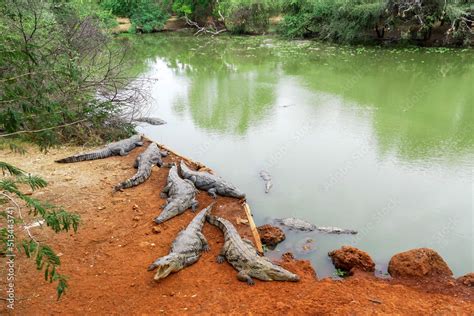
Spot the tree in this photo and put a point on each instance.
(58, 67)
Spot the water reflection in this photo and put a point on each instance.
(421, 100)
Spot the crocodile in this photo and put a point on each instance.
(150, 120)
(241, 254)
(180, 194)
(186, 248)
(211, 183)
(268, 180)
(122, 148)
(299, 224)
(144, 163)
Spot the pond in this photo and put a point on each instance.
(379, 140)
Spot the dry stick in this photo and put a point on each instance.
(43, 129)
(253, 228)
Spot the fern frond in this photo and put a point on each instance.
(12, 170)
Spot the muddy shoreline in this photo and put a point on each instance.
(107, 259)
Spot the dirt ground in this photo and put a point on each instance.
(106, 259)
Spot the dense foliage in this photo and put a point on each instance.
(58, 69)
(146, 15)
(247, 16)
(363, 20)
(13, 200)
(444, 21)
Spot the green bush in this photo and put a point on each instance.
(146, 15)
(364, 20)
(54, 63)
(338, 20)
(122, 8)
(197, 10)
(247, 16)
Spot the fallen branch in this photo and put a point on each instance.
(204, 29)
(43, 129)
(253, 228)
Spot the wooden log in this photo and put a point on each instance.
(253, 228)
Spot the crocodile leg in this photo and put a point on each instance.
(136, 163)
(194, 205)
(244, 277)
(122, 152)
(205, 244)
(165, 190)
(221, 256)
(212, 192)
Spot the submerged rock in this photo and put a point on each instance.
(467, 280)
(271, 235)
(350, 258)
(421, 262)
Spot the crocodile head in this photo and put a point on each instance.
(277, 273)
(170, 211)
(234, 192)
(137, 139)
(166, 265)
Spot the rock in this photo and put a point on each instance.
(350, 258)
(155, 230)
(419, 262)
(271, 235)
(467, 280)
(136, 218)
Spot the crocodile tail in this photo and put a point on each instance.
(185, 171)
(138, 178)
(216, 221)
(201, 217)
(124, 185)
(103, 153)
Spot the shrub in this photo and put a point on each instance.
(338, 20)
(57, 69)
(362, 20)
(247, 16)
(147, 16)
(198, 10)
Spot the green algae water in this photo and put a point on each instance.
(372, 139)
